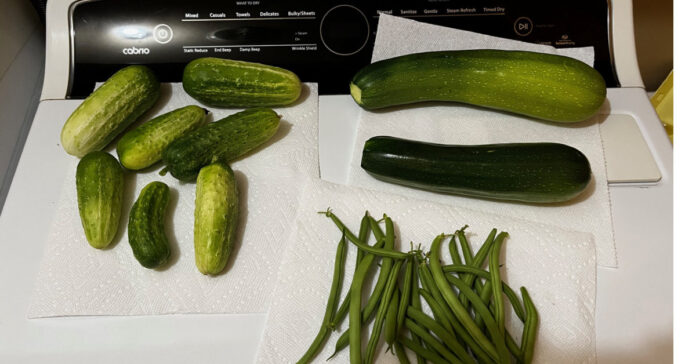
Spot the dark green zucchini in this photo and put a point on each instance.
(221, 141)
(527, 172)
(99, 179)
(146, 226)
(544, 86)
(215, 217)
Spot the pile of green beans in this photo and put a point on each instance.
(466, 300)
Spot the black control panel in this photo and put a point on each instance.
(324, 41)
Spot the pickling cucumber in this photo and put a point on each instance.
(539, 85)
(144, 145)
(230, 83)
(109, 110)
(527, 172)
(146, 234)
(99, 179)
(215, 217)
(222, 141)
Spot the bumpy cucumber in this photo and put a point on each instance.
(527, 172)
(109, 110)
(544, 86)
(215, 217)
(146, 234)
(144, 145)
(229, 83)
(221, 141)
(99, 181)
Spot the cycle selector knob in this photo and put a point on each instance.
(344, 30)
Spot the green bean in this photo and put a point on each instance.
(390, 322)
(449, 318)
(458, 309)
(343, 309)
(415, 302)
(432, 341)
(405, 300)
(437, 310)
(362, 245)
(512, 346)
(448, 339)
(529, 332)
(485, 295)
(466, 248)
(454, 252)
(497, 336)
(335, 290)
(476, 261)
(422, 352)
(382, 312)
(401, 353)
(509, 292)
(496, 281)
(354, 310)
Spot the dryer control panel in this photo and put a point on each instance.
(323, 41)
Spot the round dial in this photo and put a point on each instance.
(344, 30)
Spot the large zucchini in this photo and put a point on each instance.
(99, 179)
(230, 83)
(144, 145)
(215, 217)
(146, 234)
(527, 172)
(109, 110)
(221, 141)
(544, 86)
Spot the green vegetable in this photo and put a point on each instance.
(215, 217)
(109, 110)
(530, 327)
(230, 83)
(438, 330)
(144, 145)
(531, 172)
(387, 296)
(221, 141)
(544, 86)
(496, 281)
(146, 226)
(334, 291)
(99, 180)
(422, 352)
(432, 341)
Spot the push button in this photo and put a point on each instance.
(162, 33)
(523, 26)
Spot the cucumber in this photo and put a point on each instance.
(229, 83)
(144, 145)
(109, 110)
(526, 172)
(221, 141)
(544, 86)
(146, 226)
(99, 179)
(215, 217)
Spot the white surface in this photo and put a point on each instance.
(75, 279)
(557, 266)
(628, 157)
(624, 44)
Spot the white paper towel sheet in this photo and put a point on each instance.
(557, 266)
(76, 279)
(462, 124)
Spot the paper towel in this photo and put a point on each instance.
(76, 279)
(462, 124)
(557, 266)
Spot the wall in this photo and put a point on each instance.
(653, 22)
(21, 74)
